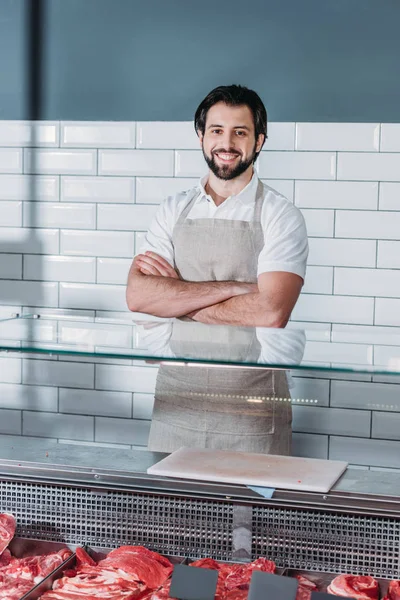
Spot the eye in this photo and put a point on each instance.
(241, 133)
(217, 131)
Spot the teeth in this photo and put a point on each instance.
(227, 156)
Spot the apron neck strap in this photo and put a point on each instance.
(191, 199)
(259, 202)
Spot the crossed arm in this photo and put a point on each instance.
(154, 287)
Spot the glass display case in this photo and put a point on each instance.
(104, 496)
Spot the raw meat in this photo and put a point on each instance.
(237, 594)
(360, 587)
(20, 575)
(7, 530)
(234, 579)
(5, 558)
(148, 567)
(126, 573)
(206, 563)
(12, 588)
(162, 593)
(241, 574)
(133, 572)
(393, 592)
(83, 558)
(305, 588)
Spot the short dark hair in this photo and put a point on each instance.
(233, 95)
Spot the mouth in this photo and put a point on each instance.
(226, 157)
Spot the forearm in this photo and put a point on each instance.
(248, 310)
(168, 297)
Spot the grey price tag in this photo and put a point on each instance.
(273, 587)
(322, 596)
(193, 583)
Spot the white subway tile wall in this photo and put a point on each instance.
(354, 137)
(69, 231)
(84, 134)
(29, 187)
(11, 160)
(11, 214)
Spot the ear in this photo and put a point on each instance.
(201, 138)
(260, 142)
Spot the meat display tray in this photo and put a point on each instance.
(322, 580)
(37, 547)
(23, 547)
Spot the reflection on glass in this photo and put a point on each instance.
(226, 408)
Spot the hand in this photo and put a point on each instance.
(151, 263)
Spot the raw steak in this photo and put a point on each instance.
(7, 530)
(393, 592)
(360, 587)
(148, 567)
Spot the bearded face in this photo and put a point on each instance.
(228, 143)
(228, 163)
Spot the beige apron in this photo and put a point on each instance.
(221, 408)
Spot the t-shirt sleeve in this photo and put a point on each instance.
(285, 240)
(158, 238)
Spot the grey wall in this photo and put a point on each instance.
(310, 60)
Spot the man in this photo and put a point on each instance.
(230, 251)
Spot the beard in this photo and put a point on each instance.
(228, 172)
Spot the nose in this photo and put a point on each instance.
(228, 140)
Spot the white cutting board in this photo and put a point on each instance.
(265, 470)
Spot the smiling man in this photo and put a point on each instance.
(229, 251)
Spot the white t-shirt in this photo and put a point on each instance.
(285, 235)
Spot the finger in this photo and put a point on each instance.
(148, 269)
(157, 257)
(152, 262)
(169, 271)
(160, 260)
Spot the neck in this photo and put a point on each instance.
(220, 190)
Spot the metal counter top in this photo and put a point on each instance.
(95, 466)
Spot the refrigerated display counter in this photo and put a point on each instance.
(105, 498)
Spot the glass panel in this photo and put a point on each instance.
(374, 350)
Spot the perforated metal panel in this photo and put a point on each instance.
(312, 540)
(323, 541)
(172, 525)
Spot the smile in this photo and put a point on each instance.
(225, 157)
